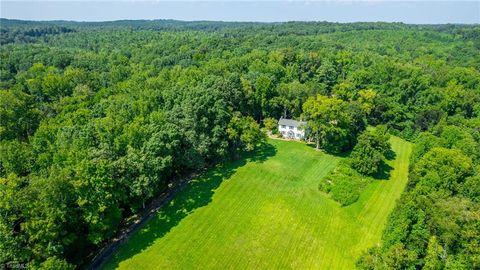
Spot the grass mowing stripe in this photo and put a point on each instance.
(266, 213)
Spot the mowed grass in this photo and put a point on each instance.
(266, 212)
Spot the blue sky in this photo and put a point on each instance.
(428, 12)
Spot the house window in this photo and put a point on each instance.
(298, 135)
(291, 127)
(283, 126)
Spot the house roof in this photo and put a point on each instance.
(290, 122)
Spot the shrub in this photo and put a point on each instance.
(345, 191)
(344, 184)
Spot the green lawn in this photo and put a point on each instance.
(266, 213)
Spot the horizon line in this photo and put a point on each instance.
(233, 22)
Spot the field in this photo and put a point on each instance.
(266, 212)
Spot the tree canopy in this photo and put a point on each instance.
(369, 153)
(96, 119)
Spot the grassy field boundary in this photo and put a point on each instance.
(150, 211)
(266, 213)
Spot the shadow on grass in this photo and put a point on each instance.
(385, 169)
(390, 154)
(343, 154)
(196, 194)
(384, 172)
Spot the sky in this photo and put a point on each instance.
(418, 12)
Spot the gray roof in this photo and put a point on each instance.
(290, 122)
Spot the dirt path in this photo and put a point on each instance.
(131, 227)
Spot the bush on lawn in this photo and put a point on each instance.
(344, 184)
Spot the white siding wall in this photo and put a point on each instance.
(299, 134)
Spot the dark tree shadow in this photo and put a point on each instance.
(383, 172)
(260, 155)
(341, 154)
(390, 154)
(196, 194)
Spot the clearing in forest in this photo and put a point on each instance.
(266, 212)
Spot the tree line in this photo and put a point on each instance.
(97, 121)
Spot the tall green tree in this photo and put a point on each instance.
(330, 122)
(369, 154)
(244, 134)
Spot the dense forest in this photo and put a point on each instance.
(96, 119)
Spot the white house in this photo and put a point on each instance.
(291, 129)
